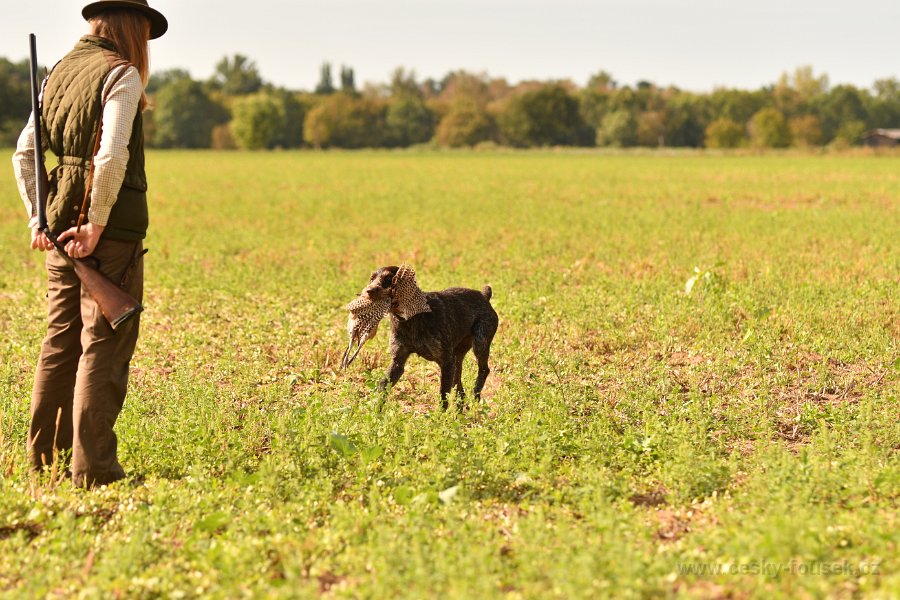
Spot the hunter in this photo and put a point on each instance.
(91, 107)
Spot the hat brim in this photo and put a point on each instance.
(158, 23)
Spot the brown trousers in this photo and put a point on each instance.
(82, 373)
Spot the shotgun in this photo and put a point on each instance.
(116, 304)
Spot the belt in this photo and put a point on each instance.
(74, 161)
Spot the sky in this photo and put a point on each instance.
(697, 45)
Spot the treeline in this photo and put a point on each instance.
(237, 109)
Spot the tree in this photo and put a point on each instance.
(850, 133)
(737, 105)
(431, 88)
(461, 85)
(807, 84)
(724, 133)
(185, 115)
(223, 138)
(237, 76)
(161, 79)
(348, 83)
(887, 89)
(325, 85)
(258, 121)
(769, 129)
(794, 93)
(841, 105)
(547, 116)
(602, 81)
(15, 99)
(294, 115)
(618, 129)
(626, 99)
(403, 83)
(686, 119)
(592, 106)
(465, 124)
(651, 128)
(408, 121)
(806, 130)
(343, 121)
(884, 106)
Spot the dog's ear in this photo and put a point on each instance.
(409, 299)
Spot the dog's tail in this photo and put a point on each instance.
(487, 292)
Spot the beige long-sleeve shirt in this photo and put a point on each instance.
(123, 95)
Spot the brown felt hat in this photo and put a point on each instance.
(158, 23)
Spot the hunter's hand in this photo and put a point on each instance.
(39, 241)
(82, 243)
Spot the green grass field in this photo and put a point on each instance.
(635, 439)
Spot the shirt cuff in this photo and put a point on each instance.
(99, 215)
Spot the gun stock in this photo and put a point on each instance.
(116, 305)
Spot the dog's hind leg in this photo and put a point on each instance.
(460, 355)
(481, 347)
(482, 352)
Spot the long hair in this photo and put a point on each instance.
(129, 31)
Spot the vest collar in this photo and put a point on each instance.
(95, 40)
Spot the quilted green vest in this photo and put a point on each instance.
(72, 110)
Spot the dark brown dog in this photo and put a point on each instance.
(438, 326)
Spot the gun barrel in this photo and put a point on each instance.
(40, 179)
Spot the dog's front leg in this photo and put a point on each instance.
(398, 363)
(448, 379)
